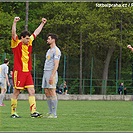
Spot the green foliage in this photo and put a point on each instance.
(73, 87)
(5, 26)
(100, 26)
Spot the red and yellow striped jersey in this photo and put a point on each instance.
(22, 54)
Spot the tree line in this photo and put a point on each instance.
(85, 31)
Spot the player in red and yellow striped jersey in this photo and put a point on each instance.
(22, 78)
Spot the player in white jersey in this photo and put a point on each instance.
(3, 80)
(50, 75)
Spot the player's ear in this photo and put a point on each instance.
(21, 37)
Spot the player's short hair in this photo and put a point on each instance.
(24, 34)
(53, 36)
(6, 60)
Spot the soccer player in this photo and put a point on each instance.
(22, 78)
(50, 76)
(4, 81)
(10, 81)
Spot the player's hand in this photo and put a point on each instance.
(129, 46)
(16, 19)
(44, 20)
(8, 84)
(51, 80)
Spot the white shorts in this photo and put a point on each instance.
(45, 80)
(3, 84)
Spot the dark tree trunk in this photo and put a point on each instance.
(105, 70)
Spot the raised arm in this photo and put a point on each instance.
(38, 30)
(16, 19)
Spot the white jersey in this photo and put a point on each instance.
(3, 70)
(52, 55)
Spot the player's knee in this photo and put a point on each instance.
(53, 92)
(31, 91)
(46, 92)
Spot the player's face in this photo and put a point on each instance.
(50, 40)
(25, 40)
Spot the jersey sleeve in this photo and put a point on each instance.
(6, 70)
(14, 43)
(32, 37)
(57, 54)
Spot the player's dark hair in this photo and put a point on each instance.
(53, 36)
(6, 60)
(24, 34)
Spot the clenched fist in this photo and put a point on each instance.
(44, 20)
(16, 19)
(129, 46)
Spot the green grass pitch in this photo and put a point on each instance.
(72, 116)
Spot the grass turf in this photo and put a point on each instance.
(72, 116)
